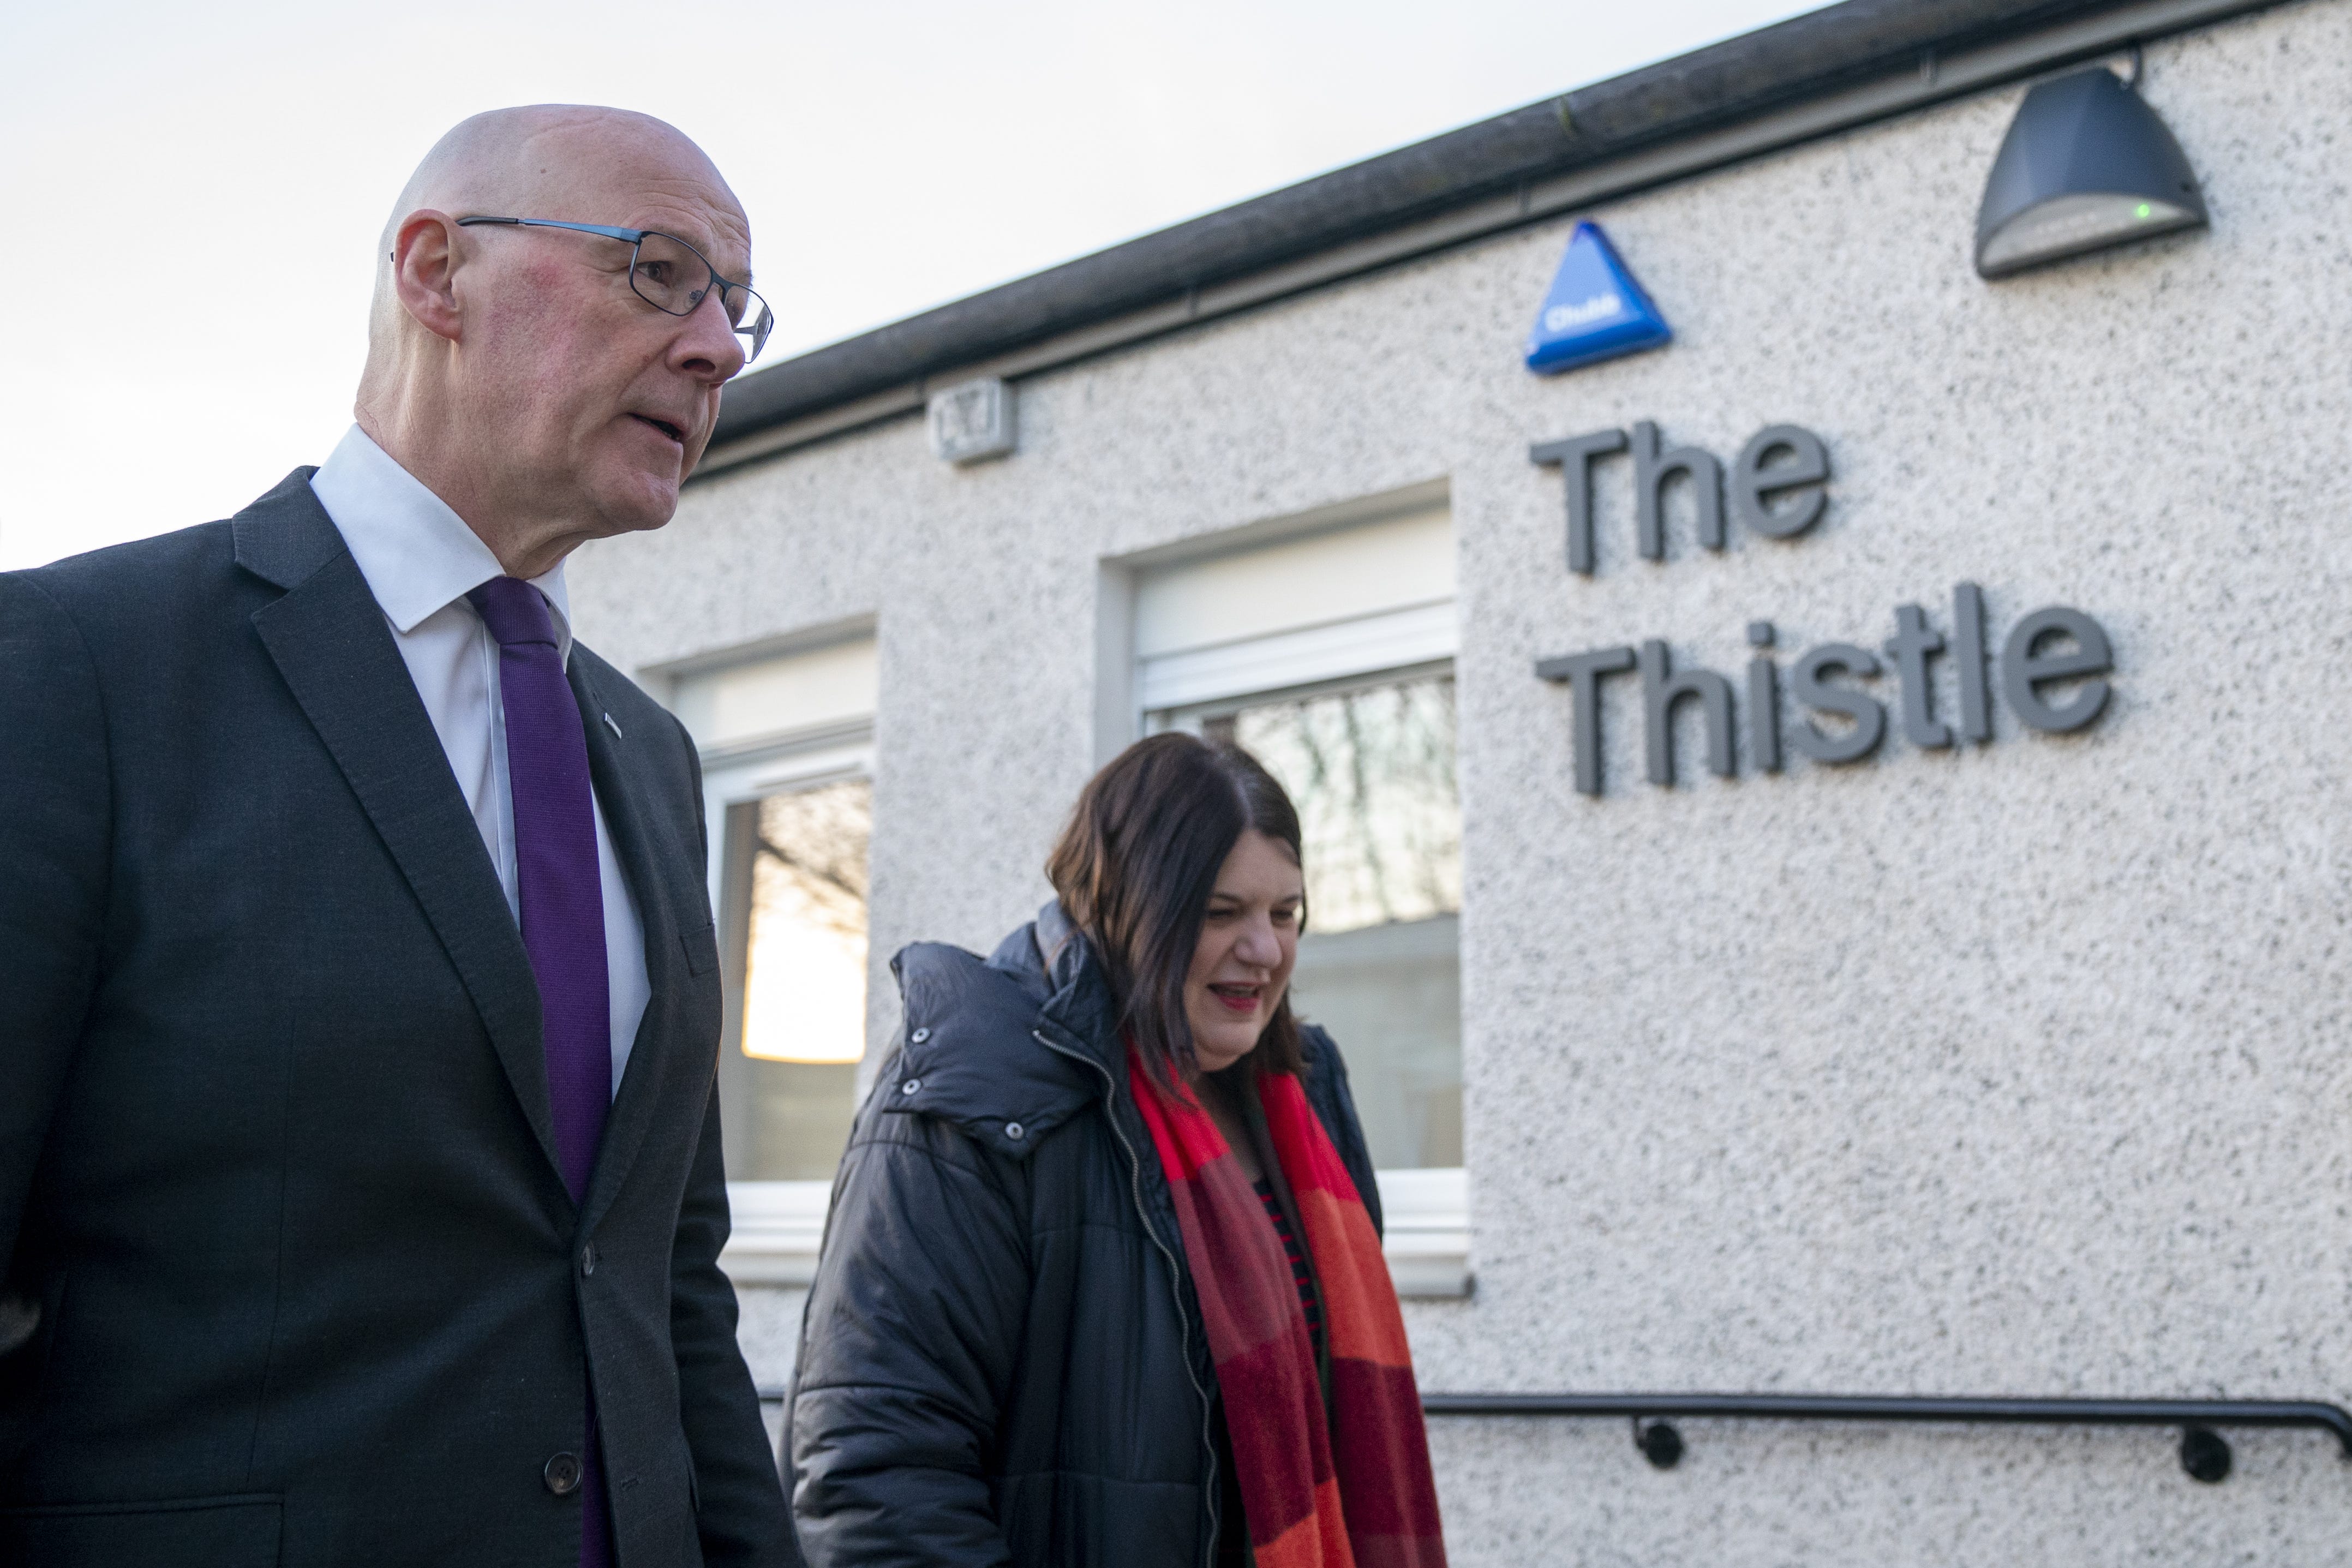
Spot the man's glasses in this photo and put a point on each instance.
(672, 276)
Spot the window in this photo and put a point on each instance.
(787, 755)
(799, 923)
(1326, 652)
(1371, 772)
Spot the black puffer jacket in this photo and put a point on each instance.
(1004, 1361)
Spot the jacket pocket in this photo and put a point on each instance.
(240, 1531)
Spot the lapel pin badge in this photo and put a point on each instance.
(609, 725)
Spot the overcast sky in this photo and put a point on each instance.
(194, 190)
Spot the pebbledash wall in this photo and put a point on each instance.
(2015, 1067)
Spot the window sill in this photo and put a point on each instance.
(1427, 1240)
(778, 1226)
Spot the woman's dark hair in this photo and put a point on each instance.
(1135, 869)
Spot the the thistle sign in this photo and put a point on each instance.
(1777, 487)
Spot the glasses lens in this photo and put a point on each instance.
(754, 320)
(673, 277)
(668, 275)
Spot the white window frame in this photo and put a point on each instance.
(776, 1226)
(1427, 1212)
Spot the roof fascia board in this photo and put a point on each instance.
(1937, 78)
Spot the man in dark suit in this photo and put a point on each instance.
(361, 1192)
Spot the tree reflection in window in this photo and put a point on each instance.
(1372, 774)
(804, 971)
(1372, 770)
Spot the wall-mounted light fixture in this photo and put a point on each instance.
(2087, 165)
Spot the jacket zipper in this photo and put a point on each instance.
(1175, 1279)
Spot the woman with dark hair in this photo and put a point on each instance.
(1102, 1284)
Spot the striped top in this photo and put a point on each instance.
(1301, 1274)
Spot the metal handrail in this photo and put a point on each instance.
(2204, 1454)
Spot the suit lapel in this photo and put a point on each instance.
(649, 860)
(330, 645)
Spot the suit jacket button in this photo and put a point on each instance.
(588, 1259)
(562, 1473)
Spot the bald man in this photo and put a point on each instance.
(361, 1192)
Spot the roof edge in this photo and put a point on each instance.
(1808, 76)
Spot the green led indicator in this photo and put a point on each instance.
(2143, 212)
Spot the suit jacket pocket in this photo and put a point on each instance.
(238, 1531)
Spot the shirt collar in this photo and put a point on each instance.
(418, 555)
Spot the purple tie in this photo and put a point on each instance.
(562, 900)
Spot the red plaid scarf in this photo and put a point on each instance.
(1351, 1489)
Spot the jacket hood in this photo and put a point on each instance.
(974, 1051)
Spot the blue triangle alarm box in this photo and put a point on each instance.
(1595, 310)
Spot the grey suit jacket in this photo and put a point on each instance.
(291, 1275)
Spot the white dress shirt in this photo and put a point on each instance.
(420, 560)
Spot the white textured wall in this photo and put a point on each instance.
(2016, 1069)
